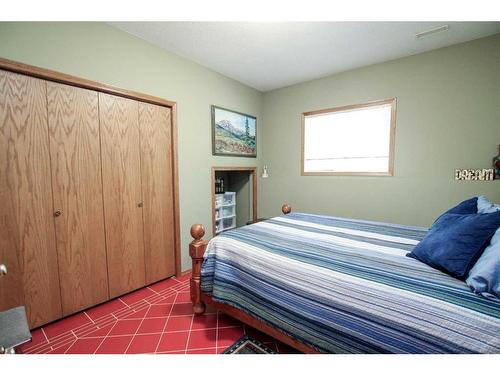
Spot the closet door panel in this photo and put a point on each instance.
(11, 284)
(122, 193)
(157, 190)
(77, 186)
(25, 191)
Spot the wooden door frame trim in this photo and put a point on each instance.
(54, 76)
(253, 172)
(175, 182)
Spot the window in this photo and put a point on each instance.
(350, 140)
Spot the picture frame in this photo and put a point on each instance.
(233, 133)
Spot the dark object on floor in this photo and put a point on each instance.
(14, 328)
(247, 345)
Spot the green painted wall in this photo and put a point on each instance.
(102, 53)
(448, 116)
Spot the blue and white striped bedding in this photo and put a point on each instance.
(346, 286)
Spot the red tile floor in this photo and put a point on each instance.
(154, 319)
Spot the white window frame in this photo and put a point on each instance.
(354, 107)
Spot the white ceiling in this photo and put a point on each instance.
(268, 56)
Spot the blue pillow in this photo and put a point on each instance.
(466, 207)
(484, 277)
(455, 242)
(484, 206)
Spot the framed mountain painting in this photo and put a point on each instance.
(233, 133)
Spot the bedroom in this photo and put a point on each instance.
(203, 187)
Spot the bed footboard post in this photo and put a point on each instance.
(196, 251)
(286, 209)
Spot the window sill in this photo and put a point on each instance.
(368, 174)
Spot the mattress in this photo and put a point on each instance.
(345, 286)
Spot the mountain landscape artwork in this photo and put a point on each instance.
(234, 133)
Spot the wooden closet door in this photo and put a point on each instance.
(121, 171)
(27, 231)
(77, 187)
(157, 191)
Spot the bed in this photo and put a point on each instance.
(333, 285)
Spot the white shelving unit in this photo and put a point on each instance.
(225, 211)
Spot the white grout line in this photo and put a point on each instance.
(173, 316)
(189, 350)
(137, 330)
(69, 347)
(44, 335)
(57, 346)
(103, 321)
(154, 291)
(122, 301)
(104, 338)
(166, 322)
(268, 343)
(86, 332)
(87, 315)
(189, 334)
(158, 333)
(186, 350)
(272, 344)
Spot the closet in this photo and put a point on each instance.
(157, 194)
(121, 171)
(27, 235)
(87, 182)
(73, 123)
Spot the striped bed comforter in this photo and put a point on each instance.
(346, 286)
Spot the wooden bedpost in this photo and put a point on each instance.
(196, 250)
(286, 209)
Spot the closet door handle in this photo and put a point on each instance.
(140, 204)
(3, 269)
(57, 213)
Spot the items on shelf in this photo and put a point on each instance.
(219, 185)
(225, 211)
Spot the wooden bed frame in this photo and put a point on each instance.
(196, 251)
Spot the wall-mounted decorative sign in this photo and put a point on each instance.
(474, 174)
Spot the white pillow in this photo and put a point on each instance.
(484, 206)
(484, 277)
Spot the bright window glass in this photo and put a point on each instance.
(356, 140)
